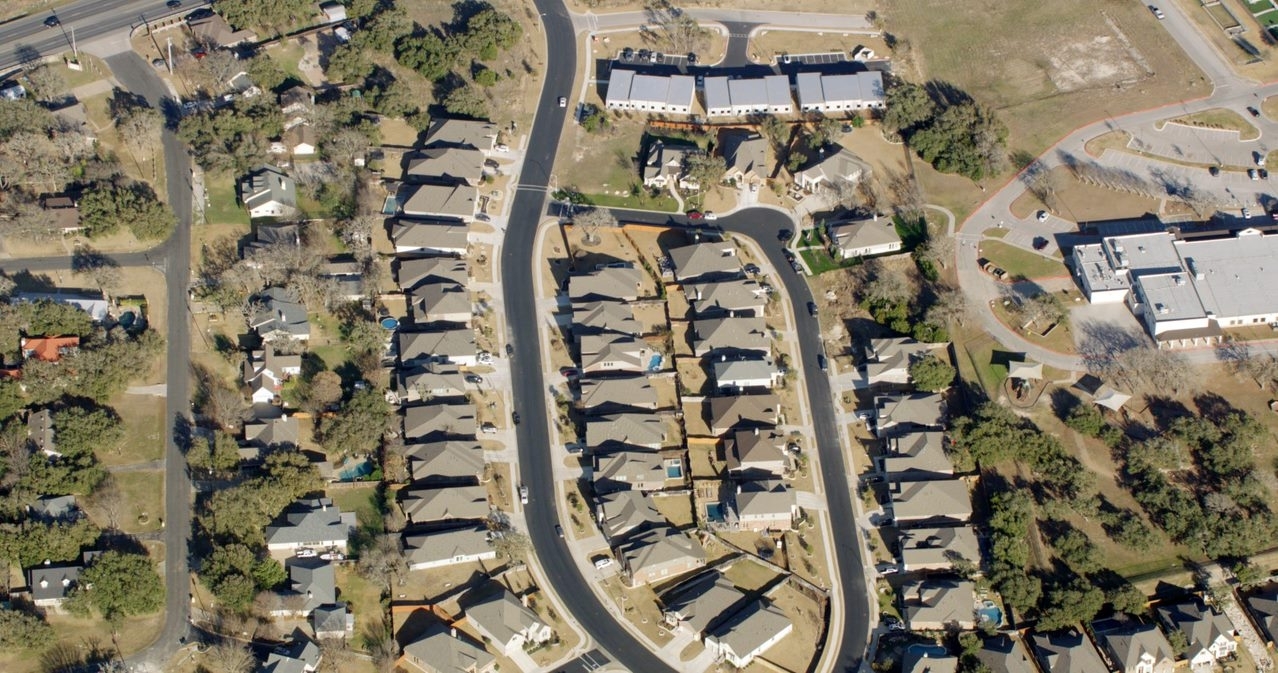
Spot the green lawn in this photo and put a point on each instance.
(363, 501)
(223, 207)
(664, 203)
(819, 261)
(1021, 264)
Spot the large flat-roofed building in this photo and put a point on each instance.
(726, 97)
(629, 90)
(1186, 292)
(836, 93)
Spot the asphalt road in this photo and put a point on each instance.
(28, 38)
(526, 370)
(137, 76)
(762, 225)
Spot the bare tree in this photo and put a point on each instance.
(591, 221)
(1154, 368)
(938, 249)
(139, 129)
(108, 500)
(887, 283)
(24, 218)
(217, 401)
(383, 562)
(1044, 308)
(512, 545)
(906, 197)
(672, 28)
(102, 269)
(45, 83)
(230, 656)
(950, 306)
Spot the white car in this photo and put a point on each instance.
(306, 552)
(502, 148)
(333, 556)
(488, 429)
(710, 217)
(1042, 216)
(523, 494)
(603, 562)
(563, 102)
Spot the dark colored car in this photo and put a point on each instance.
(514, 416)
(1214, 171)
(1253, 111)
(812, 308)
(559, 530)
(1040, 243)
(627, 54)
(784, 235)
(52, 21)
(474, 378)
(821, 362)
(510, 350)
(751, 268)
(692, 58)
(173, 4)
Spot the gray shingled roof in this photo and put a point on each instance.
(440, 420)
(703, 601)
(421, 505)
(437, 650)
(308, 520)
(1066, 652)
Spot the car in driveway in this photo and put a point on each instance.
(1214, 171)
(627, 54)
(474, 378)
(488, 429)
(692, 58)
(752, 269)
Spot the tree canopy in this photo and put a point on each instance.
(955, 137)
(359, 425)
(119, 585)
(931, 373)
(107, 209)
(23, 630)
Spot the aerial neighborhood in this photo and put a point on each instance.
(595, 336)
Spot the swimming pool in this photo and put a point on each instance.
(989, 612)
(933, 650)
(714, 512)
(674, 471)
(390, 206)
(654, 365)
(360, 469)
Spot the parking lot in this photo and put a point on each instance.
(823, 58)
(644, 56)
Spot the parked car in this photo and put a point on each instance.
(514, 416)
(711, 216)
(1253, 111)
(483, 217)
(1251, 173)
(822, 363)
(627, 54)
(1040, 243)
(333, 556)
(1260, 159)
(523, 494)
(692, 58)
(784, 235)
(510, 350)
(694, 215)
(474, 378)
(603, 562)
(306, 552)
(488, 429)
(570, 372)
(1246, 214)
(751, 268)
(785, 58)
(1157, 12)
(173, 4)
(812, 309)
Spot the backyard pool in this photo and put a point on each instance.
(654, 365)
(714, 512)
(390, 206)
(674, 471)
(360, 469)
(989, 612)
(931, 650)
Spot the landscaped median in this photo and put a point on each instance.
(1021, 264)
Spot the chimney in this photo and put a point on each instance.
(723, 358)
(453, 631)
(323, 504)
(756, 432)
(66, 582)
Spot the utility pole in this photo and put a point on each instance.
(75, 53)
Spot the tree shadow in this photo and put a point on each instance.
(1063, 402)
(1214, 407)
(1166, 410)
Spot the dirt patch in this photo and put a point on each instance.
(795, 651)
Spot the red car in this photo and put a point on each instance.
(695, 215)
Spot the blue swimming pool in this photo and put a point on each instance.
(654, 365)
(354, 472)
(932, 650)
(989, 612)
(714, 512)
(390, 206)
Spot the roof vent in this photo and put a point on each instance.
(1180, 280)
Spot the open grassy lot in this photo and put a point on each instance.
(363, 500)
(1218, 118)
(1046, 67)
(1021, 264)
(766, 45)
(223, 204)
(133, 634)
(144, 431)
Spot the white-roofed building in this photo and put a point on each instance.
(746, 96)
(838, 93)
(628, 90)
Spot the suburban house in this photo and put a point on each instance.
(268, 236)
(604, 317)
(50, 585)
(433, 380)
(930, 502)
(887, 360)
(1186, 291)
(430, 237)
(212, 28)
(837, 93)
(622, 512)
(626, 429)
(939, 548)
(440, 548)
(914, 661)
(740, 374)
(701, 602)
(831, 166)
(1210, 636)
(296, 104)
(48, 349)
(895, 414)
(414, 271)
(1005, 654)
(424, 505)
(765, 506)
(755, 452)
(445, 165)
(310, 523)
(447, 202)
(915, 456)
(615, 282)
(302, 655)
(332, 621)
(715, 260)
(629, 469)
(729, 297)
(439, 649)
(629, 90)
(64, 210)
(666, 165)
(865, 238)
(629, 393)
(731, 336)
(938, 604)
(658, 554)
(439, 421)
(1137, 648)
(1264, 611)
(40, 432)
(505, 622)
(446, 462)
(738, 97)
(743, 411)
(1066, 652)
(614, 353)
(463, 133)
(265, 372)
(280, 316)
(311, 583)
(268, 191)
(266, 433)
(749, 633)
(54, 508)
(745, 156)
(89, 301)
(441, 302)
(447, 346)
(301, 140)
